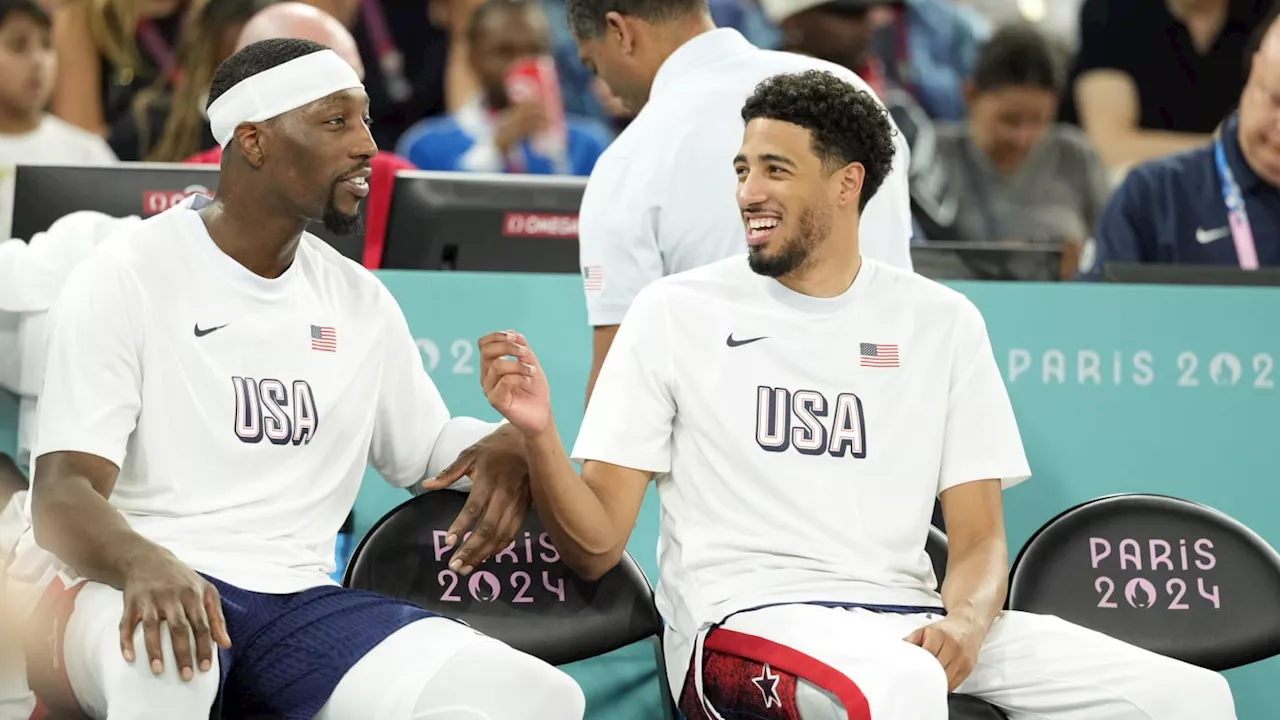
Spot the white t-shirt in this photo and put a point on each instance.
(32, 275)
(241, 410)
(662, 198)
(798, 442)
(54, 142)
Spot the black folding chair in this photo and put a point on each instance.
(524, 596)
(1168, 575)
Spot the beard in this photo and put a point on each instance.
(338, 222)
(796, 251)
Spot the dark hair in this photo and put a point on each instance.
(30, 8)
(846, 124)
(255, 58)
(1259, 34)
(1017, 55)
(482, 12)
(199, 52)
(586, 17)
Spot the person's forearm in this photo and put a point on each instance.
(977, 581)
(77, 524)
(576, 520)
(1129, 147)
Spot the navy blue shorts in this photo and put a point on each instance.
(288, 652)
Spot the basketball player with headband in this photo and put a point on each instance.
(218, 380)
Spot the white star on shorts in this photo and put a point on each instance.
(770, 694)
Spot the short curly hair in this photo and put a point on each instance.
(847, 124)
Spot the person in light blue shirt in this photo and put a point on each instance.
(490, 133)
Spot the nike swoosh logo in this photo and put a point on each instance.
(735, 343)
(202, 333)
(1204, 237)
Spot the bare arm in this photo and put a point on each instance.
(589, 517)
(978, 556)
(77, 97)
(601, 340)
(460, 83)
(1108, 103)
(72, 518)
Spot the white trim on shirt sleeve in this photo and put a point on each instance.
(617, 241)
(981, 440)
(631, 414)
(411, 414)
(92, 390)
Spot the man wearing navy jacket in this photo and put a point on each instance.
(1216, 205)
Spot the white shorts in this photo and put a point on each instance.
(847, 662)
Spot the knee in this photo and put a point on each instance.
(134, 692)
(1175, 689)
(914, 686)
(550, 693)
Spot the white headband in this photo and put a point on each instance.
(273, 92)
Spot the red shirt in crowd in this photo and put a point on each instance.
(384, 166)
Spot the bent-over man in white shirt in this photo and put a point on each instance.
(660, 199)
(799, 410)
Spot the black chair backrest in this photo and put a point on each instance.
(936, 546)
(524, 596)
(1169, 575)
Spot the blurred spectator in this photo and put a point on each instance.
(1216, 205)
(837, 31)
(929, 49)
(408, 57)
(1059, 20)
(926, 47)
(108, 50)
(305, 22)
(27, 132)
(1014, 174)
(493, 133)
(1155, 77)
(579, 87)
(167, 124)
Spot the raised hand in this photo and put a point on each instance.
(514, 383)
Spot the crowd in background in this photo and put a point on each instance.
(1023, 116)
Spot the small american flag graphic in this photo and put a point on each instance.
(324, 339)
(878, 356)
(593, 278)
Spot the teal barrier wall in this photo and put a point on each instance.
(1116, 389)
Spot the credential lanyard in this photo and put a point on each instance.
(1237, 216)
(390, 59)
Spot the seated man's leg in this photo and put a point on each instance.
(1038, 666)
(108, 688)
(817, 663)
(437, 669)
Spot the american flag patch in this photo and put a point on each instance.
(324, 339)
(593, 278)
(879, 356)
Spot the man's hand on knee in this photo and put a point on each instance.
(955, 642)
(161, 589)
